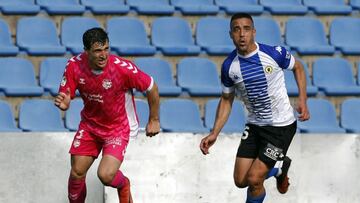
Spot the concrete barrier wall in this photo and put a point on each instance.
(170, 168)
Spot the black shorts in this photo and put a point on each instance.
(268, 143)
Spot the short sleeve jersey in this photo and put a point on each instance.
(259, 80)
(109, 107)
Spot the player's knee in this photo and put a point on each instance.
(106, 176)
(240, 182)
(77, 172)
(255, 181)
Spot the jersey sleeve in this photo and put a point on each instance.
(284, 58)
(226, 82)
(68, 81)
(137, 78)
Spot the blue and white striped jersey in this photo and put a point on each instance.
(259, 79)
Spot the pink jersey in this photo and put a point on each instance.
(109, 106)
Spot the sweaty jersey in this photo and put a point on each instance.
(109, 106)
(259, 79)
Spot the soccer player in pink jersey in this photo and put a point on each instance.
(108, 119)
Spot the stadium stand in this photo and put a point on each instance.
(7, 119)
(181, 115)
(106, 6)
(264, 26)
(199, 7)
(358, 72)
(323, 118)
(17, 78)
(38, 36)
(40, 115)
(61, 7)
(355, 4)
(344, 35)
(7, 47)
(161, 72)
(326, 7)
(72, 115)
(350, 115)
(334, 77)
(153, 7)
(288, 7)
(19, 7)
(212, 34)
(298, 38)
(133, 41)
(198, 76)
(234, 6)
(142, 110)
(51, 71)
(236, 121)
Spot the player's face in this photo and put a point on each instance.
(98, 55)
(243, 35)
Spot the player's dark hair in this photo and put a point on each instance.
(94, 35)
(241, 15)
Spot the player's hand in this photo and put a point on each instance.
(207, 142)
(153, 127)
(62, 100)
(303, 111)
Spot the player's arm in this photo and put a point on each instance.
(222, 114)
(299, 74)
(66, 89)
(153, 126)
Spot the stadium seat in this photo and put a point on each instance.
(264, 26)
(142, 111)
(17, 78)
(160, 70)
(40, 115)
(7, 119)
(153, 7)
(181, 115)
(198, 76)
(73, 115)
(236, 121)
(72, 30)
(19, 7)
(281, 7)
(38, 36)
(127, 36)
(106, 6)
(291, 86)
(236, 6)
(298, 38)
(328, 7)
(323, 118)
(355, 4)
(350, 115)
(51, 71)
(7, 47)
(344, 35)
(334, 77)
(212, 34)
(199, 7)
(172, 35)
(358, 72)
(61, 7)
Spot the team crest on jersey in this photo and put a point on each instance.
(107, 84)
(63, 81)
(268, 69)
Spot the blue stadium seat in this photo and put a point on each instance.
(350, 115)
(298, 38)
(61, 7)
(323, 118)
(73, 115)
(355, 4)
(142, 111)
(328, 7)
(153, 7)
(199, 7)
(358, 72)
(344, 35)
(281, 7)
(172, 35)
(212, 34)
(181, 115)
(334, 76)
(291, 86)
(38, 36)
(236, 121)
(127, 36)
(17, 78)
(236, 6)
(40, 115)
(161, 72)
(7, 47)
(198, 76)
(264, 26)
(72, 30)
(51, 71)
(19, 7)
(7, 119)
(106, 6)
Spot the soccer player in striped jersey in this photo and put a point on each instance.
(255, 71)
(108, 119)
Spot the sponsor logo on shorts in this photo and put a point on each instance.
(273, 152)
(113, 141)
